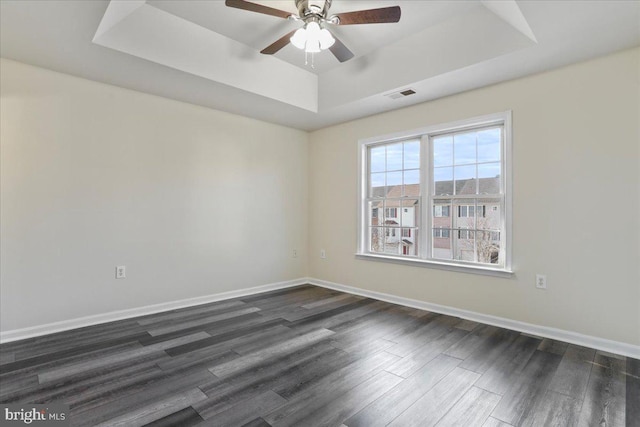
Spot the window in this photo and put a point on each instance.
(419, 179)
(441, 233)
(464, 235)
(469, 211)
(440, 211)
(393, 187)
(466, 211)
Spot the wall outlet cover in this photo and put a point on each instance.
(121, 272)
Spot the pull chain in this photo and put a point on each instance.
(306, 59)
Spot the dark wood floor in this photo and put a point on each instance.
(309, 356)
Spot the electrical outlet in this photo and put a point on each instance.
(294, 253)
(323, 254)
(541, 281)
(121, 272)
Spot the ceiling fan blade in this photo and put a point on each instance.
(254, 7)
(278, 44)
(370, 16)
(340, 51)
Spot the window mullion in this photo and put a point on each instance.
(426, 172)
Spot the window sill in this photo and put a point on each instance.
(472, 269)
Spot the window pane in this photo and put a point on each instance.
(393, 179)
(374, 213)
(377, 159)
(441, 246)
(488, 214)
(409, 242)
(411, 183)
(443, 181)
(443, 151)
(464, 244)
(377, 185)
(412, 155)
(489, 178)
(394, 184)
(442, 213)
(464, 213)
(410, 213)
(465, 177)
(392, 241)
(489, 145)
(394, 157)
(412, 176)
(376, 239)
(488, 249)
(464, 146)
(390, 215)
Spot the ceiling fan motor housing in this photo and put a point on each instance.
(308, 10)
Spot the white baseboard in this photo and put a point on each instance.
(610, 346)
(597, 343)
(50, 328)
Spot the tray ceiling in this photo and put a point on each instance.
(208, 54)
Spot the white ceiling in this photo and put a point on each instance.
(205, 53)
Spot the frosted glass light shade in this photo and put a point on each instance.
(299, 38)
(312, 38)
(326, 39)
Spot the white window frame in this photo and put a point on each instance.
(425, 134)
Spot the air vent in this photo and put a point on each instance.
(400, 94)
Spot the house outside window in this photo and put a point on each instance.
(419, 178)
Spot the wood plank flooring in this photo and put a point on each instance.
(309, 356)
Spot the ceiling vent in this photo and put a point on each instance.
(400, 94)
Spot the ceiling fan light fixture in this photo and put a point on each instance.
(312, 38)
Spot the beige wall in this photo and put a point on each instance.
(193, 201)
(576, 201)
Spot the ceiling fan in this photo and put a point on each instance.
(314, 37)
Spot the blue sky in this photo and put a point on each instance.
(452, 155)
